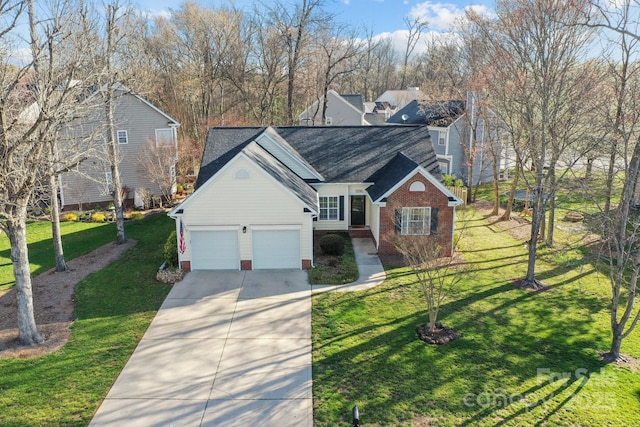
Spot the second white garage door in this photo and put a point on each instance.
(276, 249)
(215, 250)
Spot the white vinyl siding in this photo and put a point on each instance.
(416, 221)
(232, 202)
(329, 208)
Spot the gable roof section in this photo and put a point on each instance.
(439, 113)
(351, 154)
(283, 175)
(389, 175)
(355, 100)
(398, 171)
(280, 149)
(340, 154)
(314, 111)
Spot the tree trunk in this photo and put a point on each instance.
(552, 207)
(536, 222)
(115, 172)
(496, 188)
(614, 352)
(512, 192)
(16, 232)
(58, 250)
(589, 170)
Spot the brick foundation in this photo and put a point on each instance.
(185, 266)
(245, 264)
(306, 264)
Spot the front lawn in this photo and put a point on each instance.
(114, 307)
(524, 358)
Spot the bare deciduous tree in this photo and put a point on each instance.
(621, 226)
(535, 47)
(36, 98)
(157, 164)
(438, 275)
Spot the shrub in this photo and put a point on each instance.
(449, 180)
(98, 217)
(170, 251)
(459, 183)
(137, 216)
(69, 217)
(332, 244)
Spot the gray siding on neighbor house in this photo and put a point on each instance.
(341, 112)
(140, 120)
(457, 146)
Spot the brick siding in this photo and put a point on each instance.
(402, 197)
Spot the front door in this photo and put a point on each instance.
(357, 211)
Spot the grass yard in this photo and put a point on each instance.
(524, 358)
(78, 239)
(114, 307)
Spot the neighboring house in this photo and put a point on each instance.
(450, 125)
(141, 130)
(262, 192)
(393, 100)
(342, 110)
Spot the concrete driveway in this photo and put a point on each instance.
(227, 348)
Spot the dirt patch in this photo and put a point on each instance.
(518, 226)
(53, 300)
(442, 334)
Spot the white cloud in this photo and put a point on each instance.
(399, 40)
(154, 13)
(441, 16)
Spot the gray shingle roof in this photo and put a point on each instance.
(341, 154)
(438, 113)
(390, 174)
(282, 174)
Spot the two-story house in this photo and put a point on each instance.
(142, 130)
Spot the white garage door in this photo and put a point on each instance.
(276, 249)
(214, 250)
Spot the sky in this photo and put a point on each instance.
(381, 17)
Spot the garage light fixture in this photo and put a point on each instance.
(244, 229)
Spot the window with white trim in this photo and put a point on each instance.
(164, 138)
(444, 167)
(123, 137)
(416, 221)
(442, 137)
(329, 206)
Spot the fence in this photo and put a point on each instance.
(460, 193)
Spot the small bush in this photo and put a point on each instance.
(137, 216)
(332, 244)
(98, 217)
(69, 217)
(170, 251)
(449, 180)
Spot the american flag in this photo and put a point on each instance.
(182, 245)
